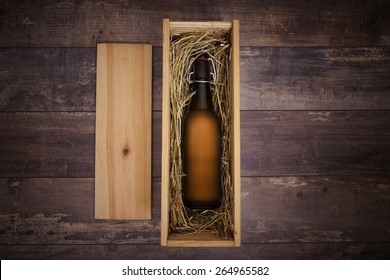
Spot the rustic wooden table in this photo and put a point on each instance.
(315, 128)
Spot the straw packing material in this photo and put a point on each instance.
(184, 48)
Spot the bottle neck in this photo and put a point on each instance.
(201, 84)
(201, 100)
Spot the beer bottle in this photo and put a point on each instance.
(201, 146)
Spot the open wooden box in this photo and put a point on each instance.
(201, 239)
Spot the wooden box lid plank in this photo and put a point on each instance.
(123, 131)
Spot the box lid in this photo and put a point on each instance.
(123, 131)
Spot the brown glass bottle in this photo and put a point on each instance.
(201, 145)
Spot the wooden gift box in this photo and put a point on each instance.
(201, 239)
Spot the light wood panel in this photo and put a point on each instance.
(123, 131)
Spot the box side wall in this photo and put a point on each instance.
(165, 137)
(188, 26)
(235, 140)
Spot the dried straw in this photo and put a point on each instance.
(184, 48)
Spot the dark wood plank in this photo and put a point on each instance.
(58, 79)
(315, 209)
(273, 143)
(61, 211)
(55, 79)
(315, 78)
(55, 144)
(49, 79)
(71, 199)
(308, 251)
(320, 142)
(274, 210)
(54, 229)
(264, 23)
(47, 144)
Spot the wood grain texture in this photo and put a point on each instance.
(71, 199)
(56, 144)
(297, 251)
(56, 79)
(204, 239)
(264, 23)
(272, 143)
(235, 138)
(315, 142)
(47, 79)
(123, 131)
(316, 182)
(191, 26)
(54, 229)
(319, 209)
(165, 132)
(316, 209)
(315, 78)
(47, 144)
(272, 78)
(61, 211)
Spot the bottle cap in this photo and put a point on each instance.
(200, 72)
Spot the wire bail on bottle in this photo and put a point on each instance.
(213, 76)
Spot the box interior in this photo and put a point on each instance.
(203, 238)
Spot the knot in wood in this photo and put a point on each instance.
(125, 151)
